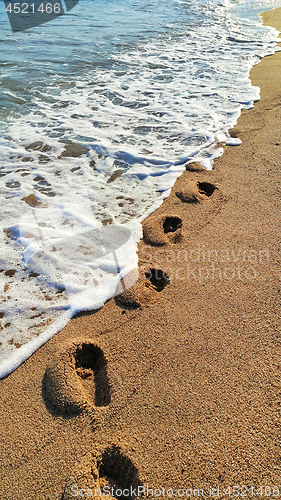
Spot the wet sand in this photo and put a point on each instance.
(177, 383)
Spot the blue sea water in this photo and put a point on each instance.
(101, 110)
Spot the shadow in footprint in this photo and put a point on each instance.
(119, 471)
(171, 224)
(90, 366)
(206, 188)
(158, 278)
(76, 380)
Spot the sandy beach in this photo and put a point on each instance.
(175, 384)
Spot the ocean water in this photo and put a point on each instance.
(101, 110)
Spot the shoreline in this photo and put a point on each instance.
(193, 369)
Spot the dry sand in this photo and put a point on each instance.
(186, 392)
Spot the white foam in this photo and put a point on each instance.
(235, 141)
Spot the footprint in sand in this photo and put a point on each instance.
(111, 472)
(145, 291)
(195, 191)
(76, 379)
(160, 230)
